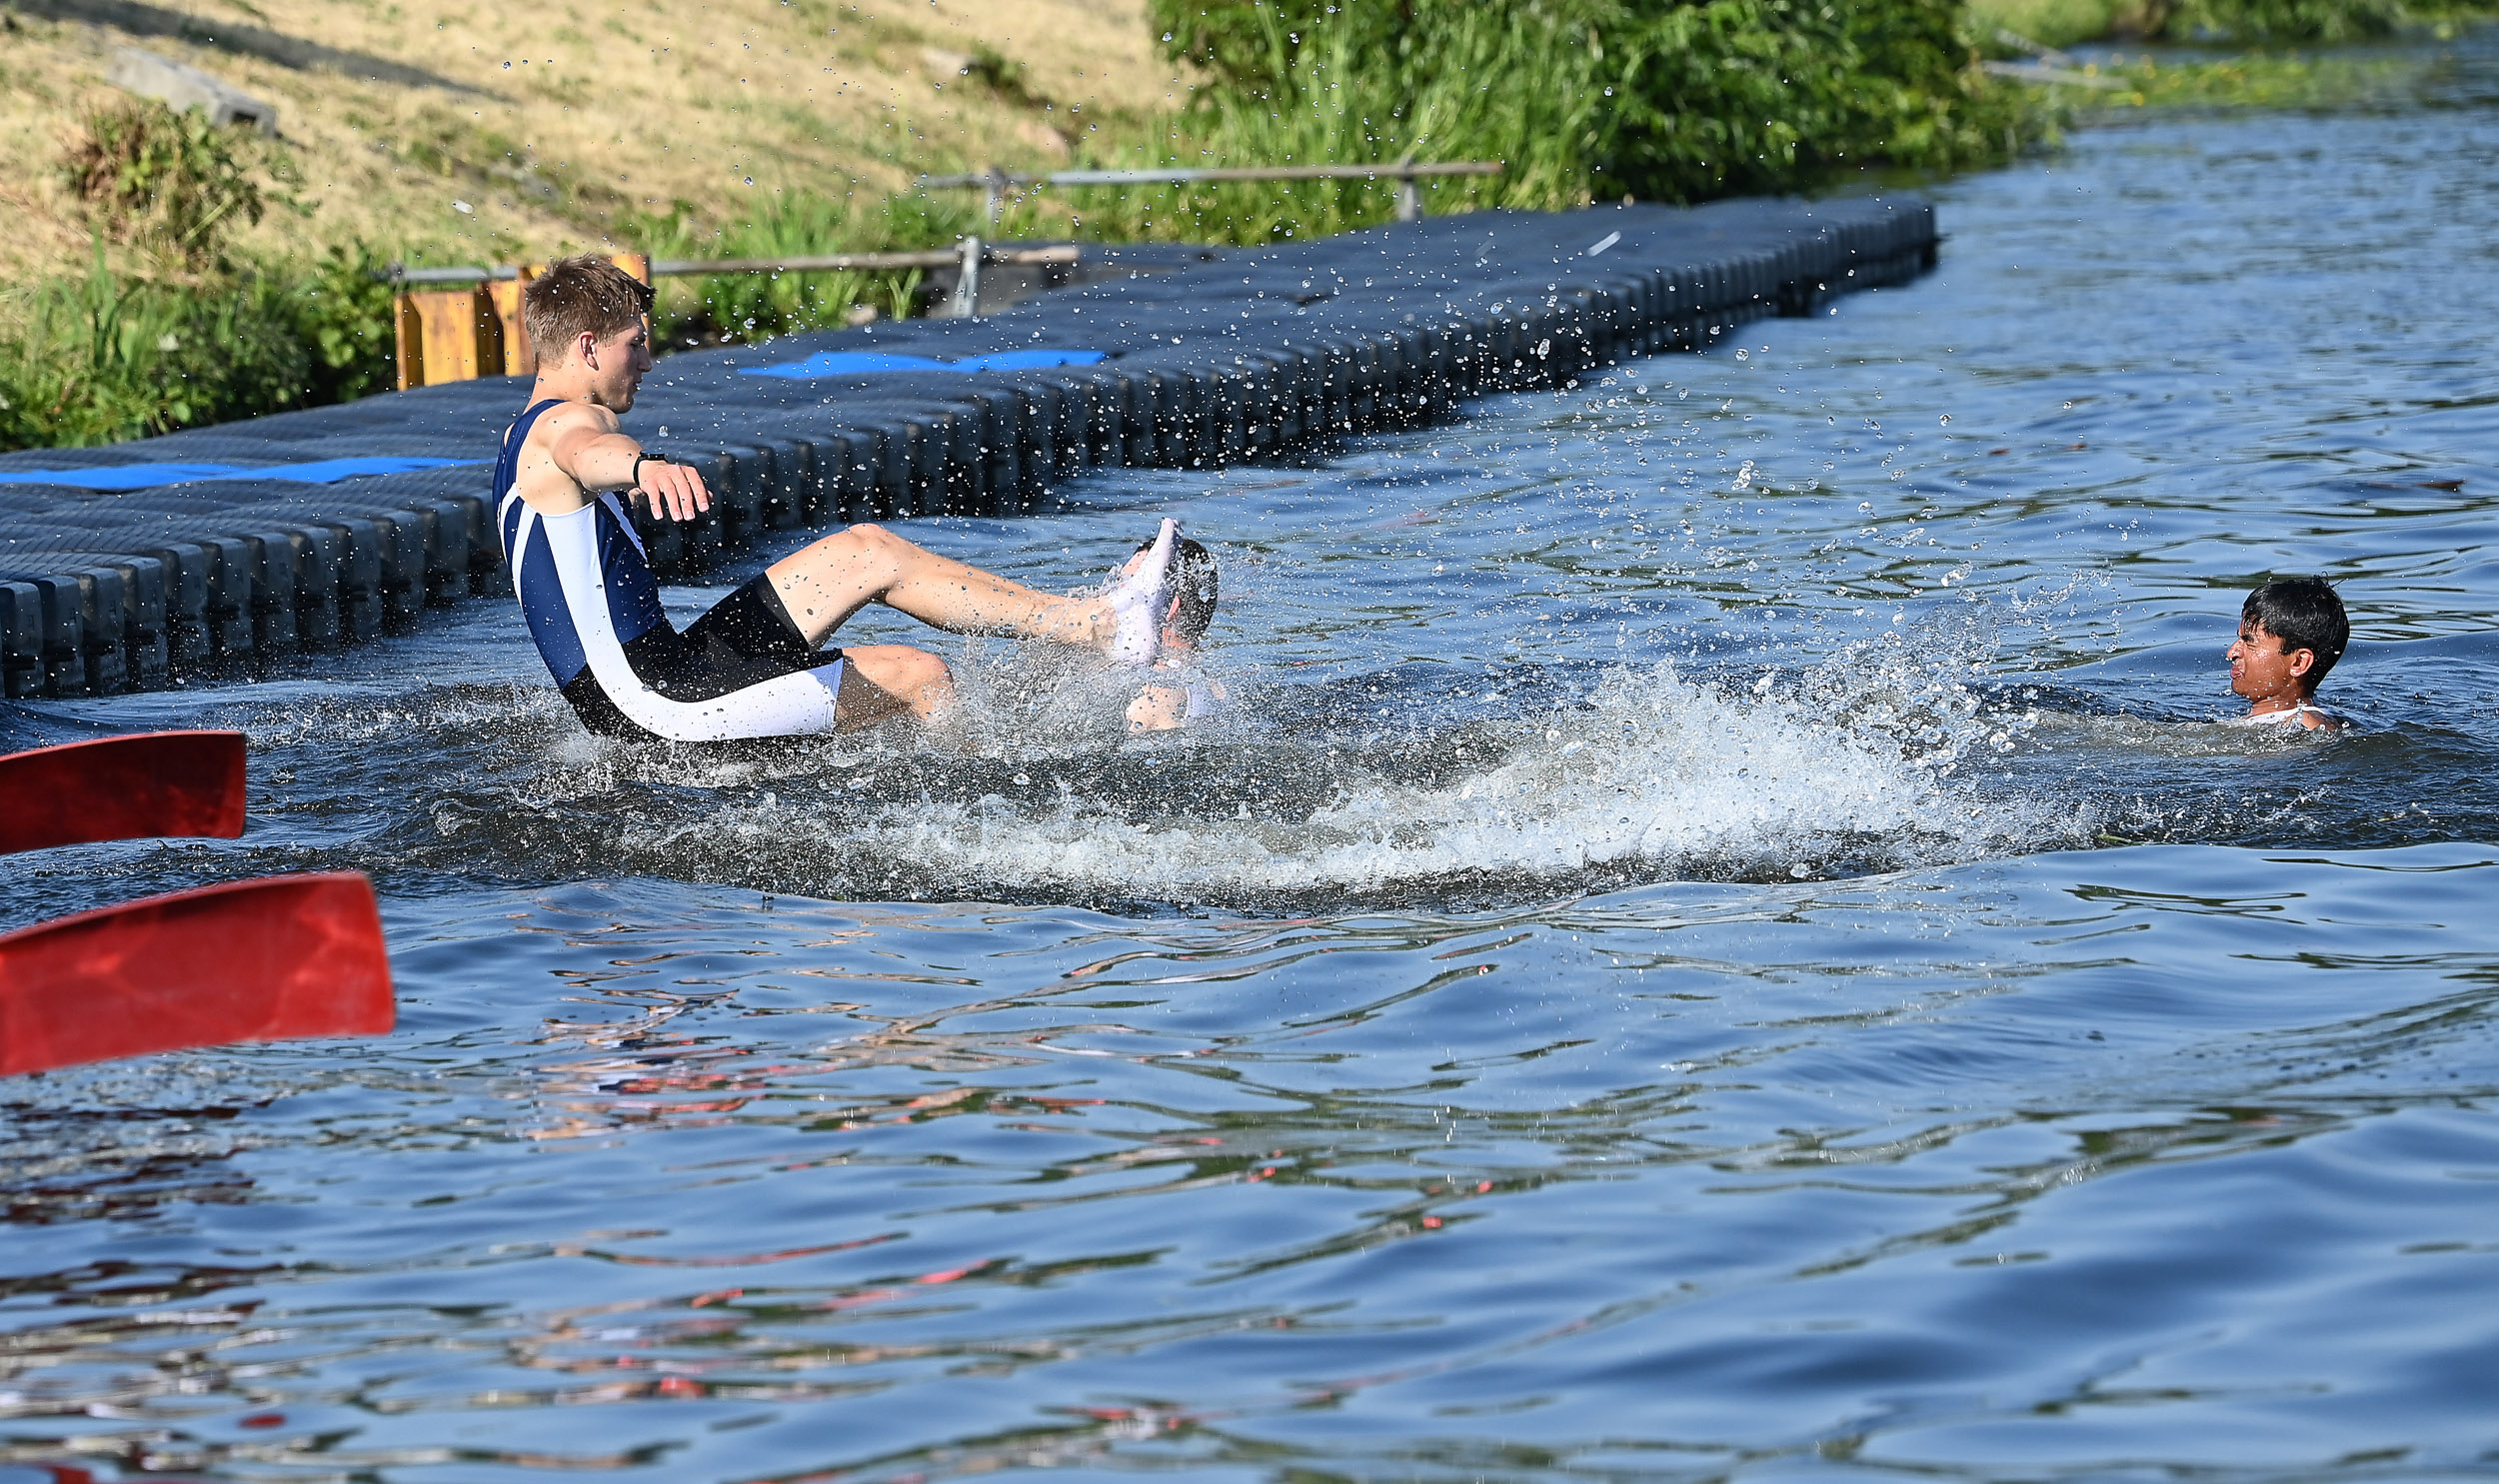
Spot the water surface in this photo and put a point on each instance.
(1725, 940)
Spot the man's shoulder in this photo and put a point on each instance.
(570, 417)
(542, 473)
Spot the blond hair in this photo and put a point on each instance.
(577, 295)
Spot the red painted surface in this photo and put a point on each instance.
(256, 960)
(122, 787)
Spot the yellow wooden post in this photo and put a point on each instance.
(506, 293)
(462, 335)
(408, 341)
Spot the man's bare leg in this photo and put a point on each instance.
(830, 580)
(881, 683)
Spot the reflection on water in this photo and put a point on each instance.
(1724, 938)
(1762, 1172)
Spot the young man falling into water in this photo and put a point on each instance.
(749, 668)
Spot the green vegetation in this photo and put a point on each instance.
(2282, 20)
(183, 333)
(172, 181)
(2259, 80)
(789, 224)
(1595, 98)
(1580, 100)
(2071, 22)
(110, 356)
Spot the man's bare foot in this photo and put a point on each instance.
(1138, 600)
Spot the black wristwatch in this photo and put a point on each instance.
(642, 459)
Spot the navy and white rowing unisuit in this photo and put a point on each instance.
(743, 670)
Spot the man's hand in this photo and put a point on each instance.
(674, 491)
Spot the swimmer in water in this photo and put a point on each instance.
(2291, 631)
(1176, 693)
(750, 667)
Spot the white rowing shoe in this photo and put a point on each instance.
(1138, 600)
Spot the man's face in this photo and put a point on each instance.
(618, 364)
(2261, 671)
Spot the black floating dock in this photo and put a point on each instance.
(1217, 358)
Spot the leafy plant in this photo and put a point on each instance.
(2284, 20)
(105, 357)
(102, 358)
(169, 180)
(1665, 99)
(341, 310)
(2065, 22)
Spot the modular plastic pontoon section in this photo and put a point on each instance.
(1243, 356)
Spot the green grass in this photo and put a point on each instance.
(106, 358)
(2061, 23)
(2253, 80)
(1590, 99)
(784, 223)
(1580, 100)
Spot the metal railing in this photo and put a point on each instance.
(995, 184)
(399, 273)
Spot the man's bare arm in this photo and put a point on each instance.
(596, 455)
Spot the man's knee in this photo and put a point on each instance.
(864, 546)
(918, 671)
(900, 669)
(880, 682)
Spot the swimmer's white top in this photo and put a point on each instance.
(2325, 718)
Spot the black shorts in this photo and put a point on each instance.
(744, 640)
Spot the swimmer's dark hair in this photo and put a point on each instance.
(2304, 614)
(1193, 578)
(576, 295)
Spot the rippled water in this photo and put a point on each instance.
(1723, 940)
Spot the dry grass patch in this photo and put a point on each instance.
(565, 125)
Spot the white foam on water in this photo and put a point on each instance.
(1653, 772)
(1856, 765)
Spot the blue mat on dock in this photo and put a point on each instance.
(148, 475)
(855, 363)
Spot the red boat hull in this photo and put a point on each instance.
(266, 960)
(122, 787)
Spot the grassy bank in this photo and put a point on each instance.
(431, 132)
(216, 276)
(2063, 23)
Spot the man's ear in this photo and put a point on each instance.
(2302, 661)
(588, 344)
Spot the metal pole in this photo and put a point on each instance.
(1410, 200)
(992, 186)
(1178, 176)
(967, 283)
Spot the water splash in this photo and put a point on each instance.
(1653, 774)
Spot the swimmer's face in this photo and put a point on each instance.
(2263, 669)
(618, 364)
